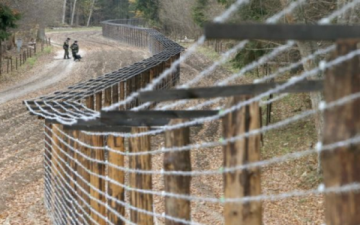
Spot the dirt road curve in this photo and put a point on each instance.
(21, 137)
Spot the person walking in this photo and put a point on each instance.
(75, 49)
(66, 48)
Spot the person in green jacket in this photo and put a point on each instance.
(75, 49)
(66, 48)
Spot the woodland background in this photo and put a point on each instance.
(182, 18)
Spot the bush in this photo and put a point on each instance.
(47, 50)
(31, 61)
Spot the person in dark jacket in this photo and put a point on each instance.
(66, 48)
(75, 49)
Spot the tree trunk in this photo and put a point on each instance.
(41, 34)
(91, 12)
(77, 17)
(64, 12)
(73, 13)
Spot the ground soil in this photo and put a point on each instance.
(21, 139)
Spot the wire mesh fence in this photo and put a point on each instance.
(116, 154)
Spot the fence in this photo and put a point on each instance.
(12, 62)
(95, 94)
(99, 160)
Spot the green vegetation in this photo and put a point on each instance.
(31, 61)
(199, 12)
(147, 9)
(112, 9)
(8, 19)
(47, 49)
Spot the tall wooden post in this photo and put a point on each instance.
(116, 144)
(341, 166)
(100, 169)
(75, 167)
(122, 94)
(140, 181)
(58, 172)
(66, 160)
(128, 92)
(107, 97)
(86, 164)
(242, 183)
(177, 161)
(134, 85)
(115, 94)
(115, 191)
(48, 164)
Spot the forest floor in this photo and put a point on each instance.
(21, 137)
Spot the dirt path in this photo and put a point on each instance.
(21, 136)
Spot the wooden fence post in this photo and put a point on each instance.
(68, 165)
(75, 167)
(113, 190)
(100, 169)
(134, 86)
(242, 183)
(341, 166)
(122, 94)
(107, 97)
(86, 164)
(177, 161)
(140, 181)
(128, 92)
(58, 172)
(48, 164)
(115, 93)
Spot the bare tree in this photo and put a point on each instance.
(64, 12)
(91, 12)
(73, 13)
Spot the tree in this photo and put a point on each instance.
(255, 10)
(91, 12)
(149, 9)
(64, 12)
(199, 12)
(8, 19)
